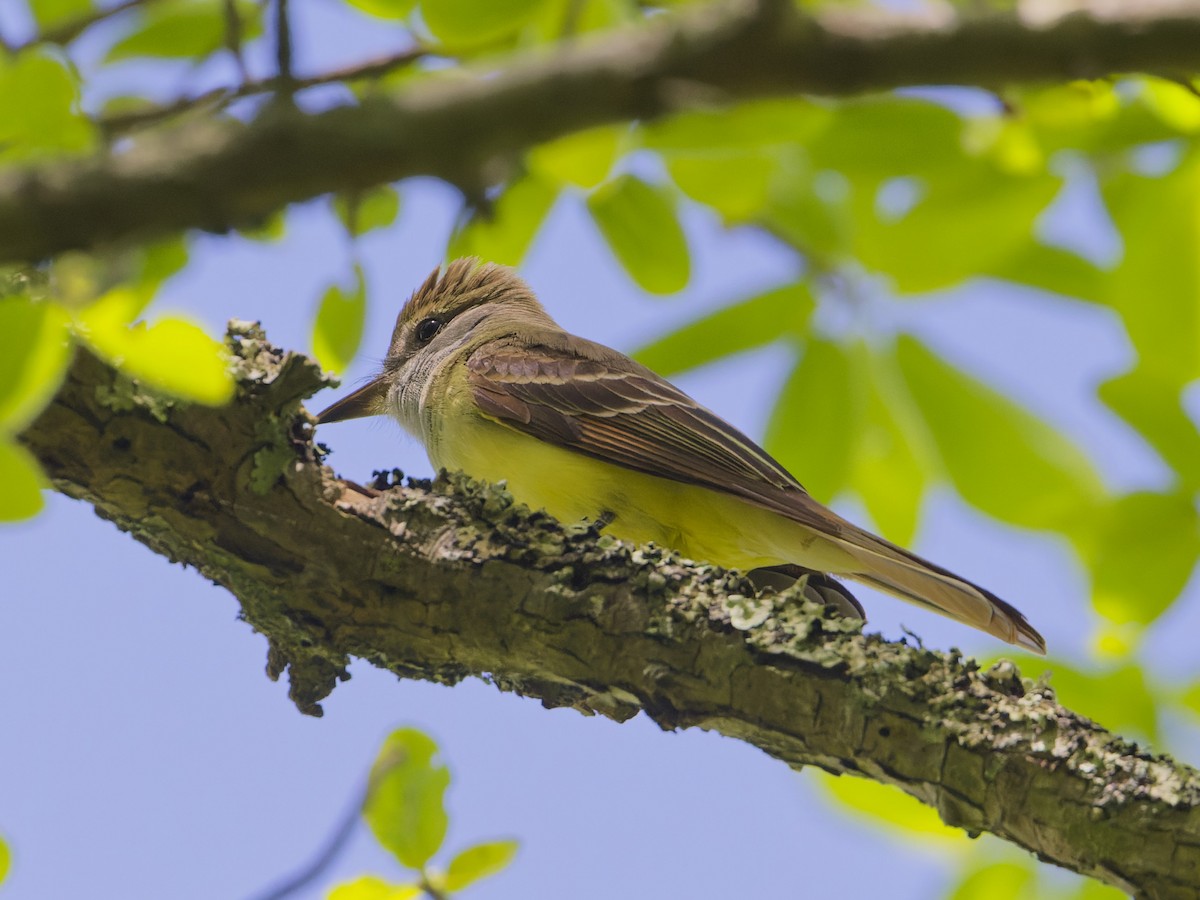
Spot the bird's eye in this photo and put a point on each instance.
(427, 328)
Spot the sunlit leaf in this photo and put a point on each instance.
(1000, 457)
(468, 22)
(893, 460)
(479, 862)
(48, 13)
(583, 159)
(816, 421)
(22, 482)
(736, 184)
(369, 887)
(504, 233)
(998, 881)
(1050, 269)
(883, 804)
(40, 98)
(747, 126)
(405, 809)
(385, 9)
(1190, 697)
(1146, 546)
(34, 352)
(1151, 401)
(5, 860)
(338, 325)
(747, 324)
(640, 225)
(172, 355)
(359, 214)
(184, 29)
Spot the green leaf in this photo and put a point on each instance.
(1117, 697)
(40, 98)
(369, 887)
(35, 347)
(882, 804)
(749, 126)
(816, 421)
(23, 483)
(736, 184)
(998, 881)
(640, 225)
(48, 13)
(1144, 550)
(385, 9)
(965, 221)
(405, 808)
(338, 326)
(1190, 698)
(187, 29)
(747, 324)
(479, 862)
(893, 460)
(172, 355)
(504, 233)
(473, 22)
(1000, 457)
(1051, 269)
(1151, 401)
(361, 213)
(583, 159)
(5, 861)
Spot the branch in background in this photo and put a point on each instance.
(465, 128)
(443, 585)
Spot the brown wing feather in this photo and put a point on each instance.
(575, 394)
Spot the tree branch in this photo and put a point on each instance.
(465, 128)
(453, 580)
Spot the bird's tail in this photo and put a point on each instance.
(896, 571)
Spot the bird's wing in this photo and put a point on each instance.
(578, 395)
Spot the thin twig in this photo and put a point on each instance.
(283, 48)
(233, 38)
(69, 30)
(219, 98)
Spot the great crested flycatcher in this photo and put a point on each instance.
(492, 386)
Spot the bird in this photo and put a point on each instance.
(491, 385)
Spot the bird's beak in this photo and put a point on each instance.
(368, 400)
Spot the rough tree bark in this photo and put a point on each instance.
(219, 173)
(451, 580)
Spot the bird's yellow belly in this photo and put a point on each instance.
(699, 523)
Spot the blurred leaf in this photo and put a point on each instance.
(747, 324)
(1051, 269)
(583, 159)
(172, 355)
(640, 225)
(5, 860)
(188, 29)
(998, 881)
(405, 809)
(22, 494)
(813, 212)
(361, 213)
(1000, 457)
(880, 803)
(1117, 697)
(48, 13)
(892, 460)
(1090, 889)
(505, 235)
(338, 326)
(369, 887)
(40, 98)
(471, 22)
(385, 9)
(1174, 103)
(1190, 697)
(966, 220)
(736, 184)
(1146, 546)
(747, 126)
(268, 230)
(877, 138)
(817, 419)
(34, 351)
(1151, 401)
(479, 862)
